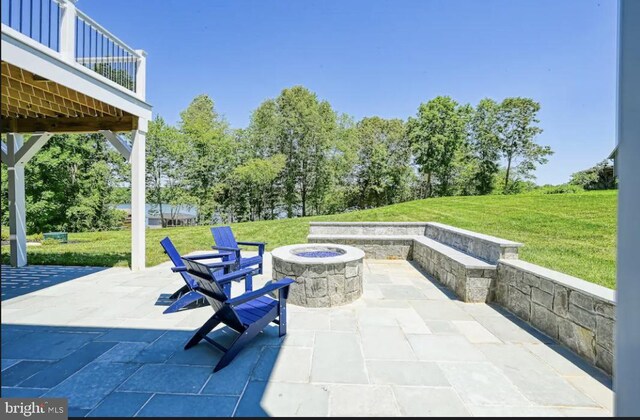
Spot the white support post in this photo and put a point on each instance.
(141, 75)
(627, 345)
(120, 144)
(138, 210)
(68, 29)
(17, 215)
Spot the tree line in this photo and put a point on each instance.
(296, 157)
(300, 157)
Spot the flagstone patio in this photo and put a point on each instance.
(407, 347)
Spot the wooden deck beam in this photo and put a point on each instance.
(69, 125)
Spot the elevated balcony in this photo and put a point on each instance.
(62, 72)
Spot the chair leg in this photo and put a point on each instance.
(182, 302)
(237, 345)
(181, 291)
(282, 315)
(248, 283)
(202, 332)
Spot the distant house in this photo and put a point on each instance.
(173, 216)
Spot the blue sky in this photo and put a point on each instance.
(385, 57)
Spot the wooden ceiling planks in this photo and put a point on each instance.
(33, 97)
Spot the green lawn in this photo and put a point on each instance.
(571, 233)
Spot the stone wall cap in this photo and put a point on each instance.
(574, 283)
(368, 223)
(503, 243)
(372, 237)
(469, 261)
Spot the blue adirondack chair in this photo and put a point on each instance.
(247, 314)
(186, 295)
(225, 241)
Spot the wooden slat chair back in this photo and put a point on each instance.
(186, 295)
(226, 241)
(175, 258)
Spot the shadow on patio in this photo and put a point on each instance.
(143, 372)
(20, 281)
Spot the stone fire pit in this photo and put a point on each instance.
(325, 274)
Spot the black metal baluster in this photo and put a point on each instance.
(84, 37)
(10, 11)
(40, 16)
(90, 45)
(102, 53)
(132, 73)
(95, 65)
(21, 16)
(30, 18)
(77, 38)
(49, 38)
(58, 27)
(122, 70)
(112, 60)
(135, 75)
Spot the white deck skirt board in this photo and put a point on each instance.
(23, 52)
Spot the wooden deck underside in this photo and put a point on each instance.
(31, 103)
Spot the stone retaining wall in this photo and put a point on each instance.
(375, 247)
(367, 228)
(579, 314)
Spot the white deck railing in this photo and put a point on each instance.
(60, 26)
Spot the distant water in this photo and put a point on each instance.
(152, 209)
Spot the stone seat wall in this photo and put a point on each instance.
(449, 259)
(469, 277)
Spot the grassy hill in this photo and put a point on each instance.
(571, 233)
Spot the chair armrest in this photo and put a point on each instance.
(252, 243)
(180, 269)
(234, 275)
(282, 283)
(209, 256)
(260, 245)
(225, 248)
